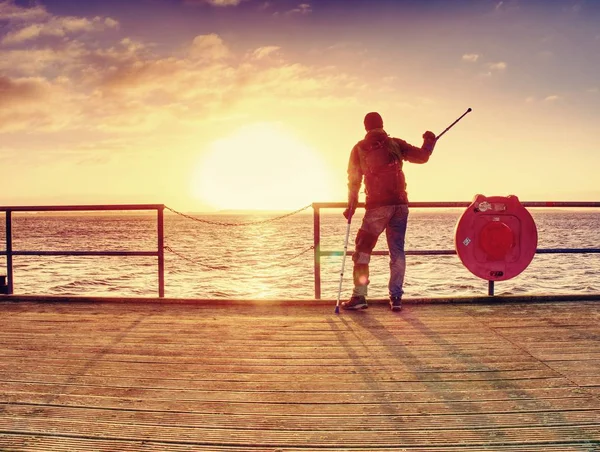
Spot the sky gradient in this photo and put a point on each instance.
(216, 104)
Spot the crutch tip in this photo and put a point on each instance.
(337, 309)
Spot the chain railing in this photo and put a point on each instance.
(249, 223)
(230, 224)
(6, 281)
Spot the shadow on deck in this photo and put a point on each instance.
(231, 376)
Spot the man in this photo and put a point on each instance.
(378, 158)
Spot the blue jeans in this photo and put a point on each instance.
(392, 219)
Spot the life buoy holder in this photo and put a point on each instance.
(496, 237)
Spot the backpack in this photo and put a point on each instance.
(384, 180)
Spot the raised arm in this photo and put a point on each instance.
(414, 154)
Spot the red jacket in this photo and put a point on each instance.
(378, 158)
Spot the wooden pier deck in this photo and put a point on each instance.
(83, 376)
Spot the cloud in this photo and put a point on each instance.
(577, 7)
(507, 6)
(30, 103)
(209, 46)
(24, 62)
(16, 91)
(114, 85)
(58, 27)
(125, 86)
(264, 52)
(499, 66)
(470, 57)
(218, 3)
(14, 13)
(24, 34)
(302, 8)
(552, 98)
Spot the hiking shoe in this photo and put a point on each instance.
(396, 303)
(356, 302)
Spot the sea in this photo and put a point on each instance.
(271, 256)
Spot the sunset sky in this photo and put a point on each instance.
(222, 104)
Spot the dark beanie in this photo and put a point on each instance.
(373, 121)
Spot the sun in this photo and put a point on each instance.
(260, 167)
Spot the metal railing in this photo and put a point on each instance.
(9, 252)
(318, 253)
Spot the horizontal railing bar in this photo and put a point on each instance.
(322, 253)
(385, 253)
(568, 251)
(80, 208)
(451, 252)
(561, 204)
(343, 205)
(81, 253)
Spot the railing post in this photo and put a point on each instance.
(9, 255)
(317, 249)
(161, 251)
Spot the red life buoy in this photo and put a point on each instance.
(496, 237)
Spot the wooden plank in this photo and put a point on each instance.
(27, 443)
(298, 438)
(428, 394)
(335, 422)
(359, 407)
(386, 383)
